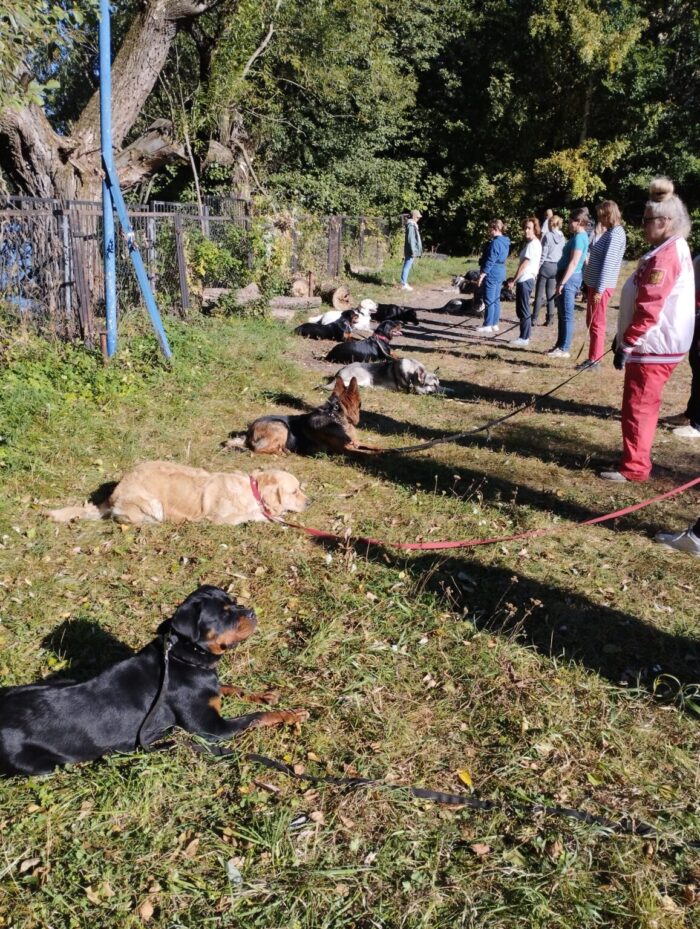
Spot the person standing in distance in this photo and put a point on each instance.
(493, 273)
(525, 278)
(412, 247)
(600, 276)
(569, 278)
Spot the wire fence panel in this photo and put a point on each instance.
(51, 270)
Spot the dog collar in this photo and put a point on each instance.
(382, 337)
(259, 500)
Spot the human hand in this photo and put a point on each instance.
(620, 359)
(597, 297)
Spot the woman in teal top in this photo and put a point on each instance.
(569, 275)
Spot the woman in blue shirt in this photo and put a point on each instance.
(569, 276)
(493, 273)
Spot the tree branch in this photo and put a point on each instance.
(263, 45)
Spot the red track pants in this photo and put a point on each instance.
(595, 320)
(641, 400)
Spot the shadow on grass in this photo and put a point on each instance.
(464, 390)
(86, 646)
(558, 623)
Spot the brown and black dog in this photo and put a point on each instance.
(329, 428)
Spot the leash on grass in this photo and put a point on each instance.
(626, 825)
(447, 439)
(464, 543)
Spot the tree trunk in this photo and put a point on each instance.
(41, 163)
(338, 297)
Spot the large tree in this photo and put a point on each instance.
(36, 157)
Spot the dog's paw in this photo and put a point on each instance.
(294, 717)
(270, 697)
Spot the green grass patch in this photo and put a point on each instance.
(530, 665)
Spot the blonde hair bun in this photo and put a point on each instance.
(660, 189)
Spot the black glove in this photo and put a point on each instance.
(620, 359)
(614, 344)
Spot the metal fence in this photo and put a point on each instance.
(51, 254)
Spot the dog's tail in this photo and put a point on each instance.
(69, 514)
(236, 442)
(316, 319)
(328, 386)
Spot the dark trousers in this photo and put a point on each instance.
(696, 529)
(546, 285)
(693, 409)
(523, 289)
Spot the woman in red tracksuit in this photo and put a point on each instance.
(654, 327)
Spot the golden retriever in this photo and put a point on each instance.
(161, 491)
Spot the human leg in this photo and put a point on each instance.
(492, 292)
(408, 262)
(567, 312)
(550, 287)
(523, 290)
(596, 313)
(641, 400)
(540, 295)
(693, 408)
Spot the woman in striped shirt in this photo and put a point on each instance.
(600, 276)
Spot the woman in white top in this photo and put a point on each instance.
(525, 278)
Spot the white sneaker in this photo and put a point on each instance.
(680, 541)
(495, 328)
(484, 330)
(519, 343)
(406, 287)
(613, 476)
(687, 432)
(558, 353)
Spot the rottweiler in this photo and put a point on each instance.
(171, 682)
(329, 428)
(375, 348)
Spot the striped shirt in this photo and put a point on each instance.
(605, 260)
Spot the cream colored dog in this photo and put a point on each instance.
(161, 491)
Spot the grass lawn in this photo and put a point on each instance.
(562, 670)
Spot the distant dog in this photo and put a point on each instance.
(375, 348)
(338, 331)
(161, 491)
(365, 311)
(466, 283)
(402, 374)
(329, 428)
(171, 682)
(404, 314)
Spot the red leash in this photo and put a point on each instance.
(465, 543)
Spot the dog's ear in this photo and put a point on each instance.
(421, 375)
(339, 388)
(185, 621)
(353, 387)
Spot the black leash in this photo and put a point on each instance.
(444, 440)
(160, 695)
(627, 825)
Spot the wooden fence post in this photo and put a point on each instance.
(335, 245)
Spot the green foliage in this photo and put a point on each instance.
(219, 263)
(35, 37)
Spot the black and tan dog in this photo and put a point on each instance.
(329, 428)
(375, 348)
(338, 331)
(172, 682)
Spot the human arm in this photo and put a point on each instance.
(521, 269)
(657, 278)
(612, 262)
(573, 262)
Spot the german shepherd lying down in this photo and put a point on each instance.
(329, 428)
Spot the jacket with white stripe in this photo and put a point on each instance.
(657, 312)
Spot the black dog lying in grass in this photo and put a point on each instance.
(375, 348)
(171, 682)
(403, 314)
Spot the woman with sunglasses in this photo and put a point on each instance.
(654, 326)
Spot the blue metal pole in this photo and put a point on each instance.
(109, 250)
(112, 179)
